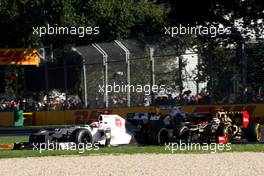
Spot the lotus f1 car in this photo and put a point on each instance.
(223, 127)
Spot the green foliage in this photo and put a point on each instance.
(117, 20)
(255, 55)
(122, 19)
(218, 11)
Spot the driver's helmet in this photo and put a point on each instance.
(95, 124)
(215, 120)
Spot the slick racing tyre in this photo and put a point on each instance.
(253, 132)
(163, 136)
(182, 132)
(225, 130)
(83, 136)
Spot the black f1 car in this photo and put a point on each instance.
(223, 127)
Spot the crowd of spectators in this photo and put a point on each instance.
(183, 99)
(43, 105)
(186, 98)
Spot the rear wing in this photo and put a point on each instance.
(237, 117)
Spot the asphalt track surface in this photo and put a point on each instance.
(26, 131)
(22, 131)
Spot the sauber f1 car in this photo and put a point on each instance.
(110, 130)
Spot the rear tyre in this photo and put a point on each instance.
(84, 137)
(253, 132)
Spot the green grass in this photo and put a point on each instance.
(115, 150)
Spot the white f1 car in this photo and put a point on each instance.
(109, 130)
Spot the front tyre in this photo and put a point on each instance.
(183, 132)
(225, 130)
(84, 137)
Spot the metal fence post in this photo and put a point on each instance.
(152, 82)
(85, 84)
(244, 70)
(128, 69)
(180, 74)
(46, 70)
(198, 73)
(105, 62)
(65, 70)
(84, 76)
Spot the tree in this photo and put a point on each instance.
(116, 20)
(255, 54)
(244, 18)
